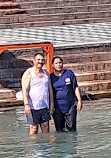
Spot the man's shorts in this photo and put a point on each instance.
(38, 116)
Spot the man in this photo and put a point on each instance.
(66, 91)
(37, 95)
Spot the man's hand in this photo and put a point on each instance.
(79, 105)
(51, 109)
(27, 109)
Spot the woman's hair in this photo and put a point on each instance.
(56, 57)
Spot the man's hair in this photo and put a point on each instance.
(56, 57)
(39, 54)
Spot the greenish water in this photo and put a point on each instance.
(92, 139)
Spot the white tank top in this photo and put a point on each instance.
(38, 91)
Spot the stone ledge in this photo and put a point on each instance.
(10, 102)
(7, 93)
(96, 95)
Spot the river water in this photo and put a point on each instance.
(92, 139)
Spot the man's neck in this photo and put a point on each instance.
(37, 70)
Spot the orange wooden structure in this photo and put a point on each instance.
(46, 46)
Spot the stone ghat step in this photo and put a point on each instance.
(6, 0)
(86, 57)
(89, 66)
(55, 10)
(79, 58)
(83, 67)
(95, 85)
(68, 9)
(9, 102)
(16, 82)
(55, 17)
(53, 3)
(90, 95)
(104, 47)
(66, 50)
(7, 93)
(97, 75)
(18, 24)
(9, 5)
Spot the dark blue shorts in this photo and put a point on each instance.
(38, 116)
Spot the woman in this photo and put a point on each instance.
(65, 89)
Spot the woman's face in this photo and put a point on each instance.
(58, 64)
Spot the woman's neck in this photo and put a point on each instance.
(58, 73)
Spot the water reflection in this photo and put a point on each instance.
(92, 139)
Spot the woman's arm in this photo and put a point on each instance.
(79, 100)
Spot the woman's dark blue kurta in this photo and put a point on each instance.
(64, 90)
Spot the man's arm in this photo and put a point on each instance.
(79, 100)
(25, 86)
(51, 97)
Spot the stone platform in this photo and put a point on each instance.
(60, 36)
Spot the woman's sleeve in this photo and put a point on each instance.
(74, 80)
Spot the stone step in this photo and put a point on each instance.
(6, 0)
(9, 102)
(89, 66)
(79, 58)
(83, 67)
(68, 9)
(96, 75)
(103, 75)
(96, 85)
(76, 50)
(87, 48)
(55, 17)
(10, 8)
(86, 57)
(92, 95)
(52, 23)
(7, 93)
(9, 5)
(59, 3)
(13, 12)
(55, 10)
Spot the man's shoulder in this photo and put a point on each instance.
(27, 72)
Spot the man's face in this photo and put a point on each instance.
(38, 61)
(58, 64)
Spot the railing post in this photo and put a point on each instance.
(49, 50)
